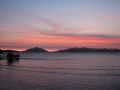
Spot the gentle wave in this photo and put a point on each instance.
(60, 68)
(64, 73)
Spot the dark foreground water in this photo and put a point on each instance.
(77, 71)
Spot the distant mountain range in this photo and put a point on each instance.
(84, 49)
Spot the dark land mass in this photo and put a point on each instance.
(36, 49)
(0, 51)
(84, 49)
(10, 51)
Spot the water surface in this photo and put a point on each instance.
(61, 71)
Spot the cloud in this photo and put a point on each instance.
(27, 35)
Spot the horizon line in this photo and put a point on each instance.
(56, 49)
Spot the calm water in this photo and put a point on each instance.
(70, 71)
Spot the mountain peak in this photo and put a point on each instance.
(36, 49)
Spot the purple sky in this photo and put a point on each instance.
(59, 24)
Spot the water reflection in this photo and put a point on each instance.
(11, 61)
(1, 59)
(11, 58)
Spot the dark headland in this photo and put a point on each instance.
(14, 51)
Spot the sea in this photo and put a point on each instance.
(61, 71)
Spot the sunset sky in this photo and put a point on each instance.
(59, 24)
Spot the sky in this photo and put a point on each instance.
(59, 24)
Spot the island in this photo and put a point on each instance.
(35, 49)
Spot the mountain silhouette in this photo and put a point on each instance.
(36, 49)
(8, 51)
(84, 49)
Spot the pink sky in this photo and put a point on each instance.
(59, 25)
